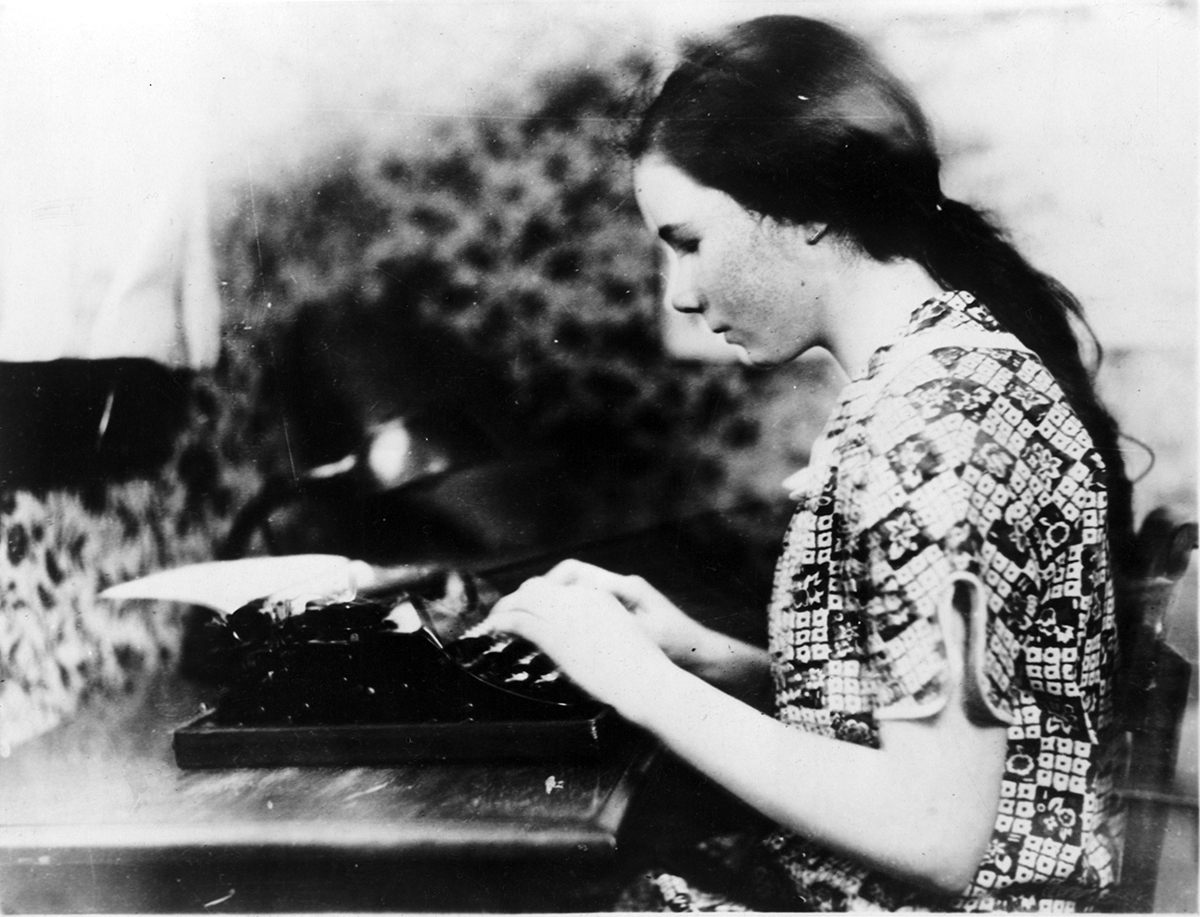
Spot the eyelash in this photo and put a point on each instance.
(687, 246)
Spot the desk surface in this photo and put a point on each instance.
(107, 786)
(104, 793)
(96, 815)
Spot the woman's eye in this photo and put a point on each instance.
(687, 246)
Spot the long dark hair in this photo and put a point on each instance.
(797, 120)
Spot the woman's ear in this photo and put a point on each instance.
(815, 232)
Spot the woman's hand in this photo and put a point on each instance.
(590, 636)
(678, 635)
(735, 667)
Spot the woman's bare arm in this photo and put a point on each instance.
(731, 665)
(922, 806)
(736, 667)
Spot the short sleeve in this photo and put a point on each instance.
(932, 510)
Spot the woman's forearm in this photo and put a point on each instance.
(736, 667)
(922, 806)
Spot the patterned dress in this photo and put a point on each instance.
(947, 463)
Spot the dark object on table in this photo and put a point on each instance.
(347, 662)
(566, 734)
(515, 665)
(342, 683)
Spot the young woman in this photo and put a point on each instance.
(942, 639)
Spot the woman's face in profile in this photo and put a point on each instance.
(752, 278)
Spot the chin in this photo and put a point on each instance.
(760, 358)
(757, 360)
(748, 359)
(743, 355)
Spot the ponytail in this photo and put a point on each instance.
(963, 250)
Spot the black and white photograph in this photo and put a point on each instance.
(598, 456)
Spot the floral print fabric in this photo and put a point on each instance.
(948, 464)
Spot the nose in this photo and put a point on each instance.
(681, 293)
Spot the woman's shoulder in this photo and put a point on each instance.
(953, 359)
(938, 333)
(958, 386)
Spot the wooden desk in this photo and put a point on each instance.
(96, 816)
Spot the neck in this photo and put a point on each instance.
(875, 301)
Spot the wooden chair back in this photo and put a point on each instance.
(1152, 696)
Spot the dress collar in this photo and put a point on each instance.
(951, 309)
(956, 306)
